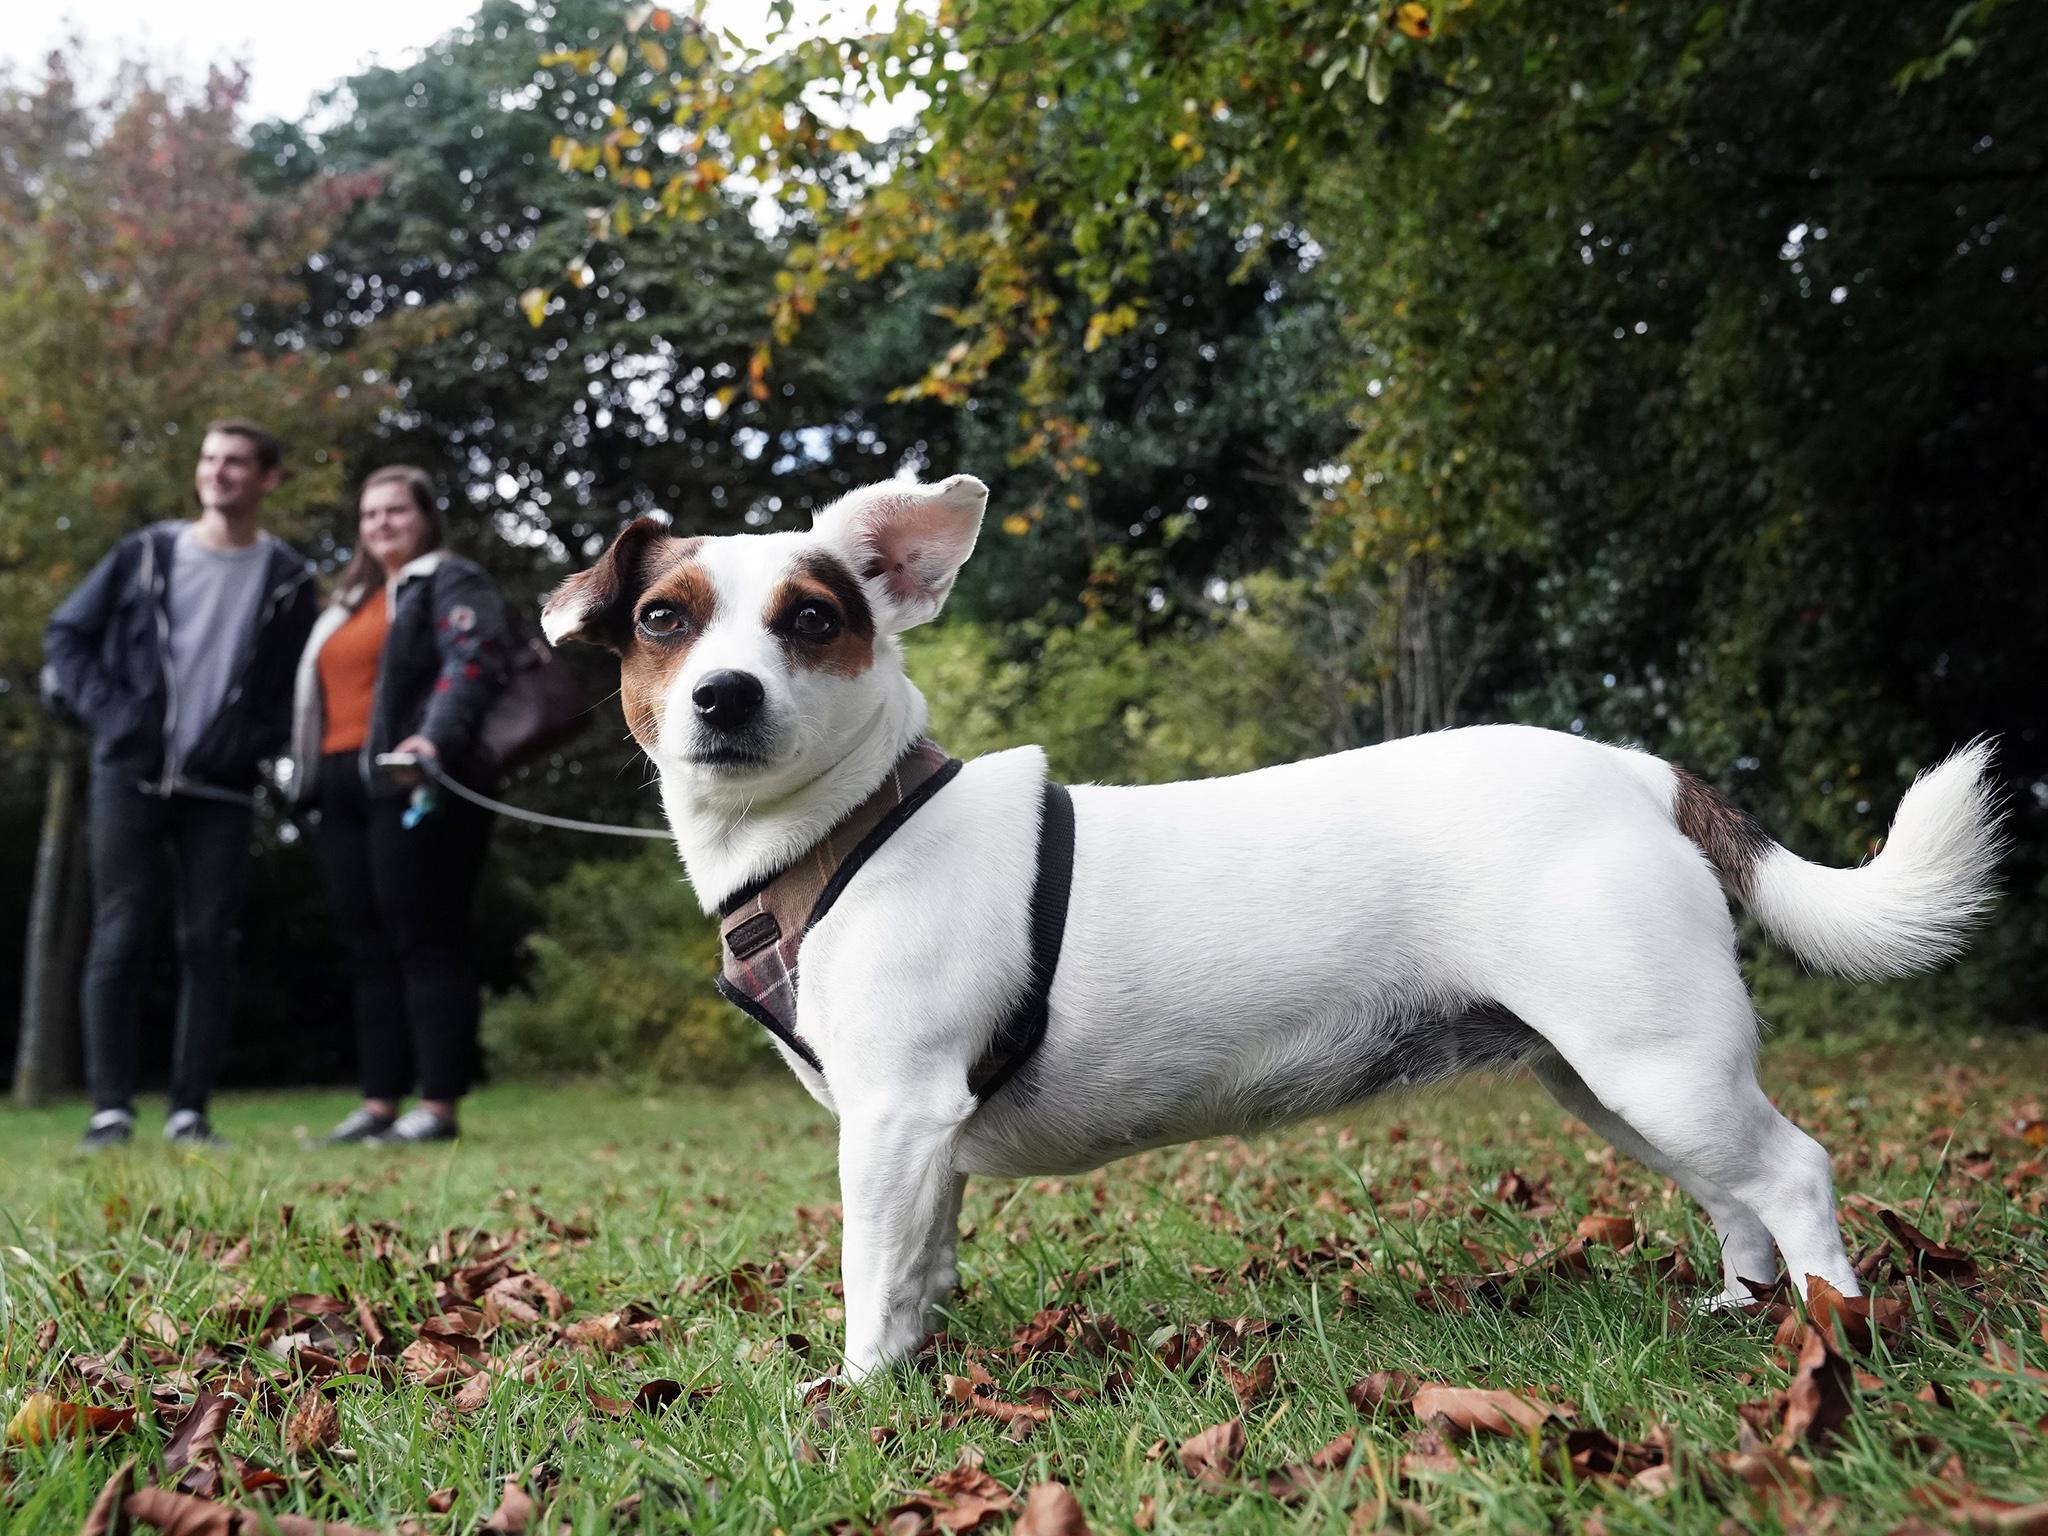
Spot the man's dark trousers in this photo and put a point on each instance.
(206, 845)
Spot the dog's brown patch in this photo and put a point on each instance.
(820, 578)
(1731, 838)
(648, 663)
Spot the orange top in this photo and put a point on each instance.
(348, 674)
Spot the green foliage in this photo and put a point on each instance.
(1236, 693)
(620, 983)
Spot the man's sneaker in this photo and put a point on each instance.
(361, 1125)
(417, 1125)
(108, 1128)
(188, 1128)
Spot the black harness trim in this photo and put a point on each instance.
(1024, 1030)
(769, 1022)
(884, 830)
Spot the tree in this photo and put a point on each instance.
(134, 255)
(1688, 351)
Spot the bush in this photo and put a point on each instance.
(621, 984)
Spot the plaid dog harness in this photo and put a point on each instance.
(762, 926)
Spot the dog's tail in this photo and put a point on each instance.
(1909, 908)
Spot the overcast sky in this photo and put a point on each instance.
(292, 49)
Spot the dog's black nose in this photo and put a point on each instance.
(727, 700)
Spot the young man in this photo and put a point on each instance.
(178, 653)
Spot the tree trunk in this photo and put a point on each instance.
(46, 1054)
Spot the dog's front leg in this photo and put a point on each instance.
(944, 1274)
(900, 1193)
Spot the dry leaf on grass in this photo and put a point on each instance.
(105, 1517)
(42, 1418)
(434, 1361)
(961, 1500)
(1853, 1319)
(1614, 1231)
(1820, 1396)
(196, 1440)
(1211, 1456)
(1382, 1389)
(1595, 1455)
(1252, 1385)
(1050, 1509)
(1483, 1410)
(181, 1514)
(1294, 1482)
(980, 1398)
(514, 1512)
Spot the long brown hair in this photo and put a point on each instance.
(364, 574)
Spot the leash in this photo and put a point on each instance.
(538, 818)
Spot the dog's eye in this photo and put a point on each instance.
(661, 620)
(814, 621)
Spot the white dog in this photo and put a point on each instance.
(1236, 953)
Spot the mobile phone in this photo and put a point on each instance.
(390, 760)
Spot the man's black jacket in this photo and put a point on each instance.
(106, 661)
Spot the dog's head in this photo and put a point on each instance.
(753, 659)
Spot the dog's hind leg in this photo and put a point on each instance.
(1672, 1053)
(1746, 1250)
(901, 1196)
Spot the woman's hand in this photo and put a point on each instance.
(419, 747)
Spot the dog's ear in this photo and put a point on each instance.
(907, 541)
(596, 606)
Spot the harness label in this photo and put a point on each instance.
(753, 936)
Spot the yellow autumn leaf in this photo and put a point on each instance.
(1412, 19)
(534, 305)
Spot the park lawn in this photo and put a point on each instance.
(1311, 1245)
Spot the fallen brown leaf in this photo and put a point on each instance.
(180, 1514)
(1853, 1319)
(1471, 1410)
(1253, 1385)
(195, 1443)
(961, 1500)
(1381, 1389)
(514, 1513)
(1820, 1396)
(42, 1418)
(1211, 1456)
(1925, 1258)
(980, 1398)
(1614, 1231)
(106, 1517)
(1050, 1509)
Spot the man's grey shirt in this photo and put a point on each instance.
(214, 595)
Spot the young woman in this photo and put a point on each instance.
(406, 658)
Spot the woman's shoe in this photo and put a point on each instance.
(361, 1125)
(416, 1125)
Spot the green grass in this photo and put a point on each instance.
(680, 1188)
